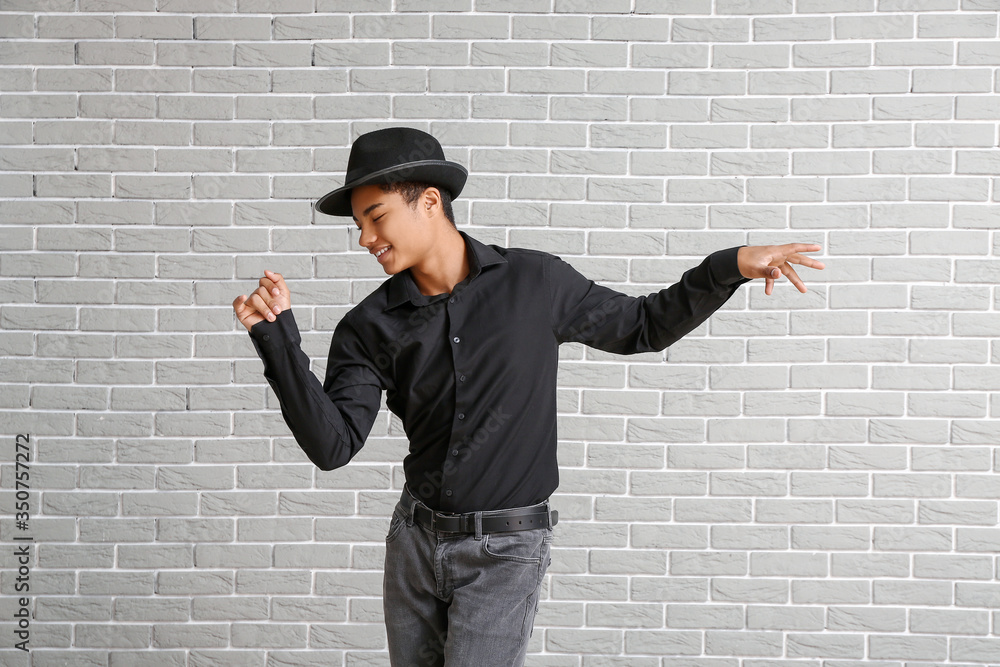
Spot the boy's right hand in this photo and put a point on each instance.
(266, 302)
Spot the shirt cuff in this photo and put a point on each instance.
(725, 267)
(270, 336)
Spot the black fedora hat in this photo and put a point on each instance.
(389, 155)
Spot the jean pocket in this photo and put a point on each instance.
(523, 546)
(395, 525)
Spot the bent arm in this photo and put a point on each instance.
(600, 317)
(330, 422)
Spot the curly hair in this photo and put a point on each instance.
(411, 191)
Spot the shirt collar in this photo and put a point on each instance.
(403, 289)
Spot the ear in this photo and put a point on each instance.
(430, 201)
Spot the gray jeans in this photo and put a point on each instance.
(460, 599)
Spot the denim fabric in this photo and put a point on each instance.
(458, 599)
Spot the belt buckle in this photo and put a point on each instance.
(434, 519)
(436, 515)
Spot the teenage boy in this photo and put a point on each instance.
(463, 338)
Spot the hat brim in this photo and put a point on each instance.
(440, 173)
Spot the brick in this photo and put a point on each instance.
(909, 54)
(892, 215)
(811, 484)
(764, 136)
(748, 643)
(632, 28)
(549, 27)
(971, 648)
(914, 5)
(710, 30)
(288, 81)
(670, 55)
(391, 26)
(547, 187)
(519, 54)
(975, 162)
(792, 29)
(867, 620)
(572, 161)
(85, 79)
(912, 162)
(437, 5)
(114, 53)
(785, 189)
(67, 27)
(706, 83)
(460, 80)
(870, 82)
(830, 109)
(154, 27)
(880, 27)
(675, 6)
(705, 190)
(787, 83)
(825, 55)
(618, 83)
(549, 81)
(40, 53)
(950, 81)
(572, 641)
(627, 136)
(767, 7)
(445, 26)
(967, 25)
(830, 162)
(754, 216)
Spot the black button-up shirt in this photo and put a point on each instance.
(472, 374)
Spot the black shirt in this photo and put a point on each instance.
(472, 374)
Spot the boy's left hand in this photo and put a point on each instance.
(770, 262)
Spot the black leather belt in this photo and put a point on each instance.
(494, 521)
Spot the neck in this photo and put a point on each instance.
(445, 267)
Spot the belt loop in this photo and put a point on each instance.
(412, 503)
(478, 518)
(548, 515)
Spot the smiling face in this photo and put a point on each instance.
(398, 235)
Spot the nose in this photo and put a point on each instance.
(365, 236)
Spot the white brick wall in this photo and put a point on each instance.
(809, 478)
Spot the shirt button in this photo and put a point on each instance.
(451, 300)
(447, 492)
(454, 452)
(461, 378)
(266, 338)
(456, 339)
(461, 415)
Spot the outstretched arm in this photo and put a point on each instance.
(586, 312)
(595, 315)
